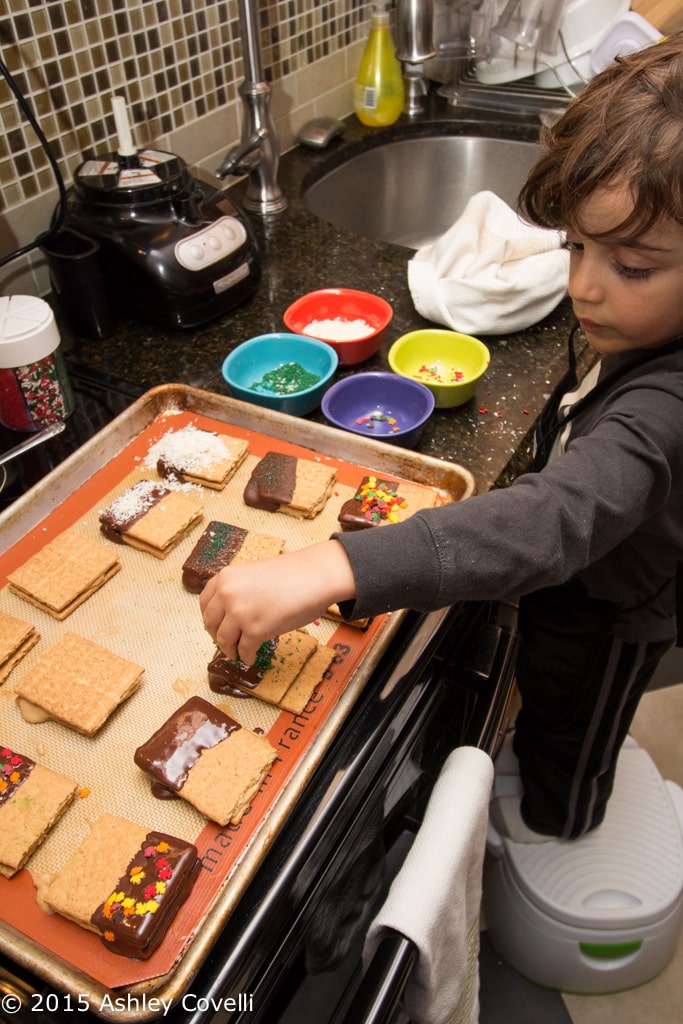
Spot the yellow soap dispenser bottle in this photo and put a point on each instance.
(378, 91)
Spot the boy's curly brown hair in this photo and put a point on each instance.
(624, 129)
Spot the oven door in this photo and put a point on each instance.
(298, 930)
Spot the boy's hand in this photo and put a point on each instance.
(243, 605)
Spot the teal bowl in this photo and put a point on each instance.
(450, 364)
(287, 372)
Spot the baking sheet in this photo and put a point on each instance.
(145, 614)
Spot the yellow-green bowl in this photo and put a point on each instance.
(449, 363)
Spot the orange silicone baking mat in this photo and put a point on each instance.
(144, 614)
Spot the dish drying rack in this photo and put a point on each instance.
(522, 96)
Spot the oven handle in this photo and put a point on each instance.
(380, 992)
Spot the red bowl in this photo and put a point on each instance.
(352, 322)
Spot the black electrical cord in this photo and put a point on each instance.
(57, 223)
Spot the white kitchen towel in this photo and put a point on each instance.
(435, 898)
(491, 272)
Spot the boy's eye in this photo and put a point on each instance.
(632, 273)
(622, 269)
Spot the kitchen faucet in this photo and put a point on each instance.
(258, 152)
(415, 45)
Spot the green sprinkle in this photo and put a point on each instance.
(286, 380)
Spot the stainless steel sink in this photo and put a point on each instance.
(409, 191)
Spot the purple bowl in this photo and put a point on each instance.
(383, 406)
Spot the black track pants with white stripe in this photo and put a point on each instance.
(580, 687)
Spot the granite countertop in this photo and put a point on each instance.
(489, 435)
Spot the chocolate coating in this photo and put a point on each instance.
(173, 750)
(272, 482)
(14, 769)
(113, 523)
(216, 548)
(237, 679)
(135, 917)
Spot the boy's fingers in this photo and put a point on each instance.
(247, 650)
(228, 638)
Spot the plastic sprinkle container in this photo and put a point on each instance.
(34, 386)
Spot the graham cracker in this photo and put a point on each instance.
(284, 483)
(151, 518)
(334, 614)
(223, 544)
(94, 869)
(77, 682)
(125, 883)
(228, 776)
(198, 456)
(299, 693)
(64, 573)
(314, 483)
(381, 501)
(16, 640)
(207, 758)
(32, 799)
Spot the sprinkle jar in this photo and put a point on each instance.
(34, 387)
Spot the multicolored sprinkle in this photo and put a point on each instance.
(378, 417)
(118, 904)
(436, 374)
(14, 768)
(378, 500)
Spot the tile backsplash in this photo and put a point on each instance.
(177, 63)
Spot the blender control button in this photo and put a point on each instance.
(211, 244)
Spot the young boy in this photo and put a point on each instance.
(593, 539)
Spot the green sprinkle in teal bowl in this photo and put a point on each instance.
(287, 372)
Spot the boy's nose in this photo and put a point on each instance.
(585, 281)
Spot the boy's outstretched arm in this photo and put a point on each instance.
(243, 605)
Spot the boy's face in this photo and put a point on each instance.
(627, 291)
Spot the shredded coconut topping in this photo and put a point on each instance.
(187, 449)
(339, 329)
(134, 502)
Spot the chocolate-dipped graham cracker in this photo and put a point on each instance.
(126, 883)
(198, 456)
(205, 757)
(285, 673)
(379, 501)
(151, 517)
(223, 544)
(285, 483)
(32, 799)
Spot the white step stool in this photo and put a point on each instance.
(601, 913)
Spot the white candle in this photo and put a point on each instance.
(126, 147)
